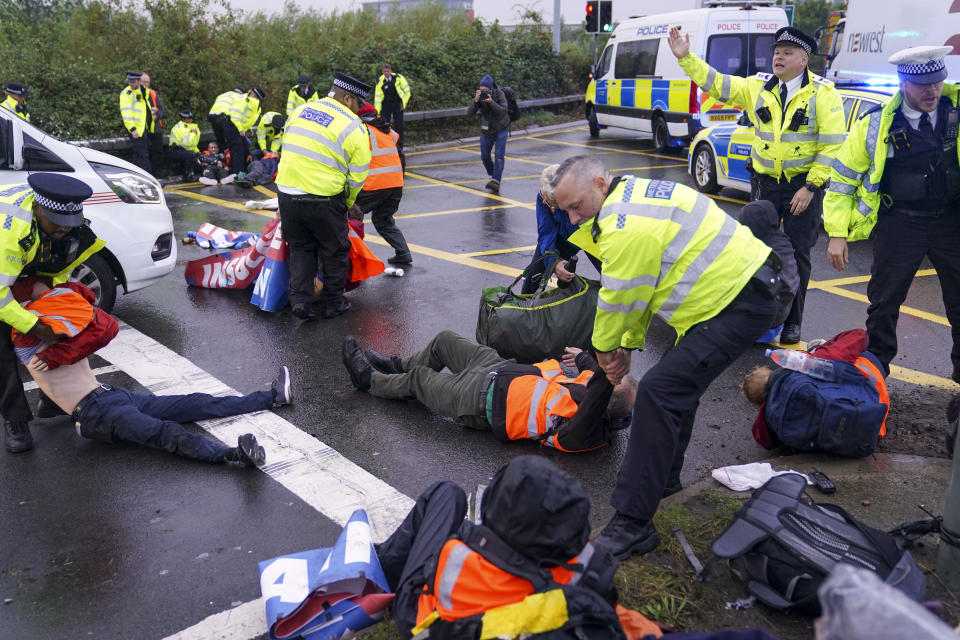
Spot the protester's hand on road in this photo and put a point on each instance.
(561, 272)
(837, 253)
(36, 364)
(679, 45)
(801, 199)
(570, 356)
(615, 364)
(45, 333)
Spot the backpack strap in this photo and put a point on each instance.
(488, 544)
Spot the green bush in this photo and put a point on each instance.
(72, 55)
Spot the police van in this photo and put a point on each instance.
(638, 83)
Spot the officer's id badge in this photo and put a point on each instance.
(31, 238)
(317, 116)
(662, 189)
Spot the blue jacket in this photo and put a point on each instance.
(553, 229)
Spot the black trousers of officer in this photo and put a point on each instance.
(216, 121)
(391, 111)
(435, 517)
(155, 148)
(184, 161)
(315, 227)
(801, 229)
(669, 394)
(900, 242)
(141, 151)
(13, 401)
(382, 204)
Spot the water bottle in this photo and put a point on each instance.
(396, 272)
(570, 266)
(804, 363)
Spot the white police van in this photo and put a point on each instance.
(638, 83)
(127, 209)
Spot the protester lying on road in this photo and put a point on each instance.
(484, 391)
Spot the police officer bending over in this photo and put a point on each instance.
(898, 176)
(799, 126)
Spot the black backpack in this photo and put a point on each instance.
(513, 109)
(784, 547)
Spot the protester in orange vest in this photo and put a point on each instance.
(155, 137)
(384, 185)
(484, 391)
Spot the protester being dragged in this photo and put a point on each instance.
(484, 391)
(553, 229)
(490, 103)
(834, 399)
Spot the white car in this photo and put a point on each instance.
(127, 209)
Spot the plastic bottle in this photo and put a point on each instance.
(396, 272)
(570, 266)
(803, 362)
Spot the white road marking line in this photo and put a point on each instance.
(316, 473)
(29, 386)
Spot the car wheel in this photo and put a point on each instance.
(592, 121)
(661, 135)
(95, 273)
(705, 170)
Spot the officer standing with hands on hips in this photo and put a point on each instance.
(799, 125)
(898, 175)
(43, 233)
(325, 160)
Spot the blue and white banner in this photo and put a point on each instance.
(326, 594)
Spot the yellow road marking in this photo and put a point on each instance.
(223, 203)
(537, 138)
(506, 157)
(910, 311)
(725, 198)
(442, 164)
(839, 282)
(458, 258)
(919, 377)
(450, 211)
(526, 137)
(497, 252)
(476, 192)
(262, 189)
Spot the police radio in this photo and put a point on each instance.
(799, 118)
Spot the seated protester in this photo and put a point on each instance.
(114, 414)
(451, 579)
(485, 391)
(261, 169)
(760, 216)
(215, 165)
(842, 411)
(270, 132)
(184, 138)
(553, 229)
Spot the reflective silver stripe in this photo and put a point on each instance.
(391, 169)
(799, 162)
(688, 228)
(538, 390)
(762, 161)
(759, 103)
(832, 138)
(864, 208)
(6, 281)
(711, 78)
(451, 573)
(725, 86)
(620, 284)
(636, 305)
(842, 188)
(70, 327)
(870, 186)
(129, 109)
(550, 373)
(696, 268)
(7, 299)
(798, 137)
(381, 151)
(812, 113)
(19, 213)
(873, 133)
(355, 183)
(59, 291)
(335, 146)
(583, 559)
(823, 159)
(313, 155)
(357, 168)
(766, 135)
(845, 171)
(350, 128)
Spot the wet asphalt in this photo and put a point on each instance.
(104, 541)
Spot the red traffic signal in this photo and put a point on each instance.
(591, 24)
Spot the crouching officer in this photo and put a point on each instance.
(898, 176)
(799, 126)
(184, 149)
(326, 156)
(43, 232)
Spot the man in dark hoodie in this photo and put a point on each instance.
(491, 104)
(760, 216)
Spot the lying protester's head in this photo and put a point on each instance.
(580, 186)
(623, 398)
(754, 385)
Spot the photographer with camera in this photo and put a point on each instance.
(214, 166)
(491, 103)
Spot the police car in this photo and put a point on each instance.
(127, 209)
(718, 154)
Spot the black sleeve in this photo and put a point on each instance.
(586, 362)
(587, 429)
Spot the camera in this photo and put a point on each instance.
(484, 93)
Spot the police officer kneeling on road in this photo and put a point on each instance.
(43, 233)
(799, 126)
(898, 175)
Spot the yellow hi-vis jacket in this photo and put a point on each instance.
(851, 203)
(402, 86)
(16, 107)
(243, 109)
(326, 150)
(267, 138)
(133, 110)
(666, 250)
(19, 241)
(294, 99)
(186, 135)
(777, 150)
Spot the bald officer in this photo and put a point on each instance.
(326, 157)
(898, 175)
(42, 233)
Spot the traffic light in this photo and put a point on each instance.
(605, 16)
(592, 17)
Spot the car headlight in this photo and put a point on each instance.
(129, 187)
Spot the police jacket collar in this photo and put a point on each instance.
(595, 228)
(772, 84)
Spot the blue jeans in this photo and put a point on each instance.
(498, 143)
(152, 421)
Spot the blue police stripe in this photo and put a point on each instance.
(17, 188)
(660, 98)
(628, 93)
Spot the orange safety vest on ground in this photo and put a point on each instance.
(386, 171)
(875, 376)
(534, 403)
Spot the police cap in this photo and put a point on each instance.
(921, 65)
(351, 85)
(61, 197)
(303, 79)
(278, 121)
(795, 38)
(260, 93)
(134, 76)
(16, 89)
(186, 114)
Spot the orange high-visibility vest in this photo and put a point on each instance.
(386, 171)
(875, 376)
(153, 103)
(534, 403)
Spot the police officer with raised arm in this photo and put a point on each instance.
(898, 175)
(799, 125)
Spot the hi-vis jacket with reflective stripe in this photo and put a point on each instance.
(778, 150)
(536, 406)
(666, 250)
(326, 149)
(267, 138)
(16, 107)
(186, 135)
(386, 170)
(294, 99)
(133, 110)
(851, 203)
(243, 109)
(402, 86)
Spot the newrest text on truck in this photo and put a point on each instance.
(638, 83)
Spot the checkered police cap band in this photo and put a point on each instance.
(921, 69)
(348, 86)
(789, 38)
(60, 207)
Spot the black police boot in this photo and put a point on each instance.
(248, 452)
(357, 364)
(790, 333)
(402, 259)
(47, 408)
(336, 309)
(625, 536)
(17, 437)
(304, 311)
(382, 363)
